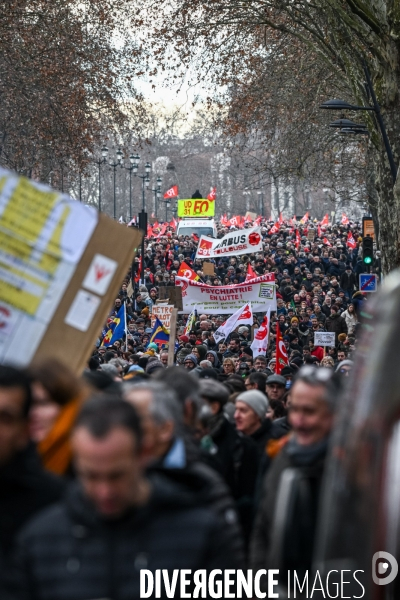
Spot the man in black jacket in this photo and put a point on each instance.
(285, 540)
(117, 520)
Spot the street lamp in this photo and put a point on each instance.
(114, 165)
(99, 162)
(143, 215)
(133, 167)
(167, 205)
(342, 105)
(157, 194)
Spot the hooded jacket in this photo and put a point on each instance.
(217, 364)
(70, 552)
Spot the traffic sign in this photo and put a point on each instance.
(368, 282)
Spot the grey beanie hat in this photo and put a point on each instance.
(191, 357)
(256, 400)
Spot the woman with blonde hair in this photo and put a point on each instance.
(328, 362)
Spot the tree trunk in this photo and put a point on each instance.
(387, 86)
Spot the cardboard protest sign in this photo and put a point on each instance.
(162, 312)
(324, 338)
(61, 265)
(228, 299)
(208, 268)
(245, 241)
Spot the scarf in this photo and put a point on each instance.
(55, 449)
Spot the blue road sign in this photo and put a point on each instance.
(368, 282)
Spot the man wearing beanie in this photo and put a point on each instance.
(250, 417)
(190, 362)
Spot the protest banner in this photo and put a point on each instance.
(225, 300)
(196, 208)
(162, 312)
(61, 264)
(324, 338)
(234, 243)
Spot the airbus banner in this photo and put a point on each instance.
(244, 241)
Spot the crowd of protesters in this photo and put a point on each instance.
(140, 465)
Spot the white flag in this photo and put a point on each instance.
(260, 343)
(243, 316)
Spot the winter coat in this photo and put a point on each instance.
(348, 281)
(25, 489)
(336, 323)
(351, 320)
(70, 553)
(236, 458)
(217, 364)
(293, 534)
(262, 436)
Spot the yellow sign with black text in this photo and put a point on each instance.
(196, 208)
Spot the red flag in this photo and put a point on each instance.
(325, 221)
(235, 221)
(298, 239)
(281, 352)
(305, 218)
(195, 237)
(172, 192)
(275, 228)
(326, 241)
(319, 231)
(251, 274)
(280, 218)
(345, 220)
(186, 271)
(223, 220)
(212, 195)
(163, 230)
(149, 230)
(351, 242)
(257, 221)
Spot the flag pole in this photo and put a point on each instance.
(126, 329)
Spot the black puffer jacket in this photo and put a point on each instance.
(70, 553)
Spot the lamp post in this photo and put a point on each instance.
(99, 162)
(133, 167)
(342, 105)
(157, 194)
(167, 205)
(114, 165)
(143, 214)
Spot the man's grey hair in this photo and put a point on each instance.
(164, 405)
(111, 370)
(118, 362)
(206, 364)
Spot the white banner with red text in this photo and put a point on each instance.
(225, 300)
(245, 241)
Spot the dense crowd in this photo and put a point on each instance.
(140, 465)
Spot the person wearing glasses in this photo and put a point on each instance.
(284, 540)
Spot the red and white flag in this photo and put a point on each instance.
(257, 221)
(212, 195)
(243, 316)
(187, 272)
(172, 192)
(251, 274)
(351, 242)
(326, 242)
(223, 220)
(260, 343)
(275, 228)
(281, 352)
(305, 218)
(298, 239)
(319, 231)
(325, 221)
(236, 221)
(345, 219)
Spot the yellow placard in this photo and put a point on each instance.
(196, 208)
